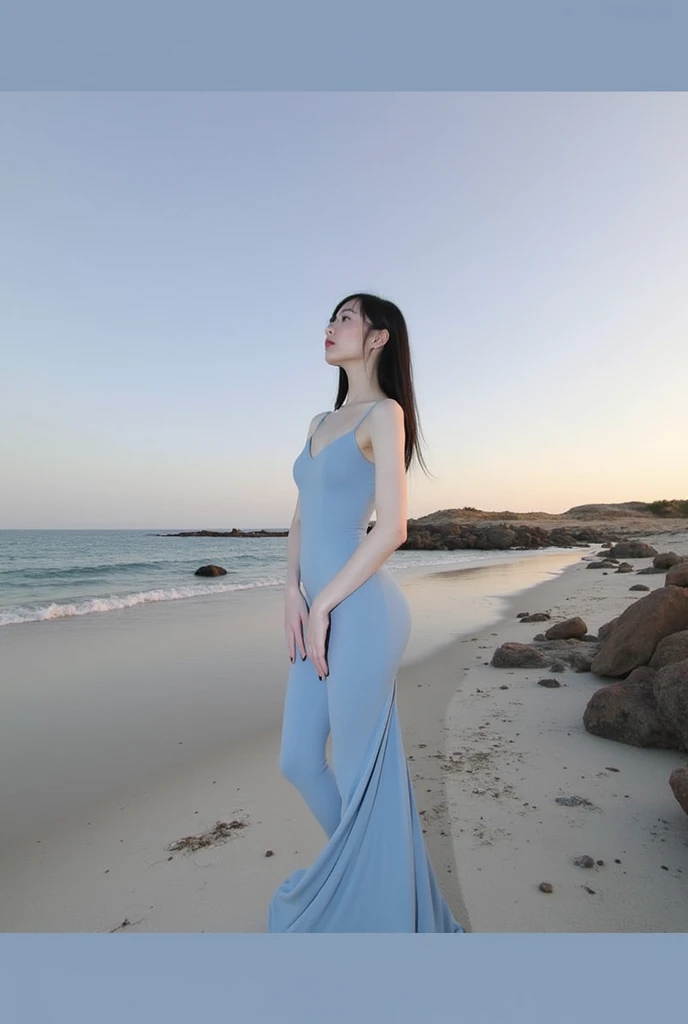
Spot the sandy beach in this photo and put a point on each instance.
(148, 801)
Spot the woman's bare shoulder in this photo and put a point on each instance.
(314, 422)
(389, 409)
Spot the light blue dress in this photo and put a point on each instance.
(373, 874)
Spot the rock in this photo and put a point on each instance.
(678, 780)
(649, 570)
(441, 532)
(500, 537)
(604, 631)
(671, 693)
(584, 862)
(539, 636)
(546, 887)
(625, 568)
(627, 712)
(667, 559)
(573, 801)
(639, 629)
(639, 586)
(522, 615)
(677, 576)
(575, 653)
(580, 661)
(211, 570)
(589, 638)
(671, 649)
(632, 549)
(515, 655)
(549, 682)
(536, 617)
(600, 565)
(571, 629)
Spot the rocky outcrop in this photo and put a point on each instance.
(571, 629)
(211, 570)
(451, 536)
(604, 631)
(225, 533)
(671, 694)
(632, 549)
(627, 712)
(515, 655)
(678, 780)
(577, 654)
(677, 575)
(667, 559)
(638, 630)
(671, 649)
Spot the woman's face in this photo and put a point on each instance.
(344, 335)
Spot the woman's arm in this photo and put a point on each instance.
(387, 438)
(294, 551)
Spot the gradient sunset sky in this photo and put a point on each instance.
(169, 262)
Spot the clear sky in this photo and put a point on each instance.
(168, 262)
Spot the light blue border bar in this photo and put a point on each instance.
(484, 979)
(354, 45)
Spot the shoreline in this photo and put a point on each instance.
(115, 867)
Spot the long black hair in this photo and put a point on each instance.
(394, 371)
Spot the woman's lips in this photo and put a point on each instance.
(328, 344)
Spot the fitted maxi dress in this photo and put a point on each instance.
(373, 875)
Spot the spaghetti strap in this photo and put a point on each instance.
(366, 413)
(321, 420)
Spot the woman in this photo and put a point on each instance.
(346, 635)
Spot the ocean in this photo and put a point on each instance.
(52, 574)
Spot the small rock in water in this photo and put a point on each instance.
(584, 862)
(573, 801)
(549, 682)
(269, 853)
(546, 887)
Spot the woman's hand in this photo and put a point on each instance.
(295, 618)
(317, 631)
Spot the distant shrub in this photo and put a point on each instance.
(677, 508)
